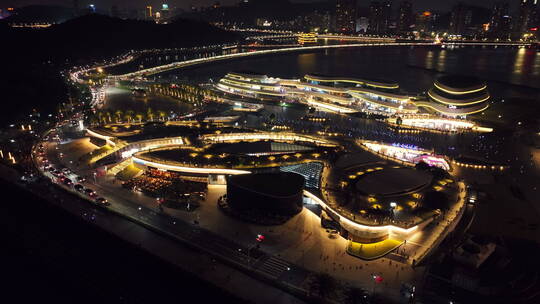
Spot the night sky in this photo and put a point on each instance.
(106, 4)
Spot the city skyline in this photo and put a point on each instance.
(334, 151)
(418, 5)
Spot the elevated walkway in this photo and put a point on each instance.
(128, 173)
(119, 167)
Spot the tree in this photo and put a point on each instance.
(324, 285)
(150, 114)
(101, 117)
(355, 295)
(118, 115)
(422, 166)
(162, 115)
(139, 116)
(109, 116)
(129, 115)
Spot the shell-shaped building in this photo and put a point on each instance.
(458, 96)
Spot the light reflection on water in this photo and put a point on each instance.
(510, 71)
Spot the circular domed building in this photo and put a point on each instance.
(266, 193)
(459, 96)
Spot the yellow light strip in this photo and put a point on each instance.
(376, 102)
(189, 169)
(300, 85)
(452, 113)
(458, 92)
(101, 136)
(358, 81)
(458, 104)
(263, 136)
(249, 91)
(332, 107)
(383, 94)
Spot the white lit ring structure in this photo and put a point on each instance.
(332, 107)
(459, 92)
(108, 139)
(284, 136)
(184, 169)
(376, 84)
(463, 102)
(347, 223)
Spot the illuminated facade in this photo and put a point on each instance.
(437, 123)
(346, 16)
(335, 94)
(457, 96)
(407, 154)
(307, 38)
(251, 85)
(528, 15)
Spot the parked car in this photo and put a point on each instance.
(79, 188)
(30, 177)
(102, 201)
(67, 182)
(90, 192)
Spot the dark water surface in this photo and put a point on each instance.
(511, 72)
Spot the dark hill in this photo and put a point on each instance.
(31, 59)
(41, 14)
(98, 36)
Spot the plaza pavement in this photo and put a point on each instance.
(193, 261)
(301, 241)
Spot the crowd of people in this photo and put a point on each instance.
(148, 185)
(164, 184)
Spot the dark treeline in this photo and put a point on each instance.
(33, 58)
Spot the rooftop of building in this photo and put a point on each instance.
(282, 184)
(460, 83)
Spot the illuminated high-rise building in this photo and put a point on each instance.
(115, 11)
(165, 12)
(379, 17)
(528, 15)
(460, 19)
(76, 8)
(346, 16)
(406, 17)
(499, 25)
(149, 14)
(424, 22)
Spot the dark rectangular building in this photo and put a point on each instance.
(379, 17)
(346, 16)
